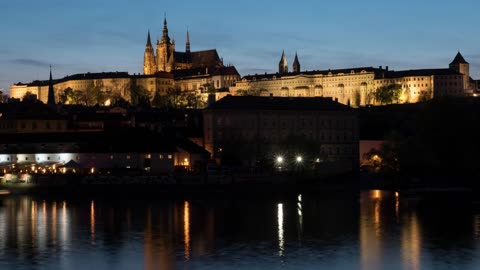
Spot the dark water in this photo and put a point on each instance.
(370, 230)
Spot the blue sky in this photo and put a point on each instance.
(109, 35)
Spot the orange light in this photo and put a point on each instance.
(186, 229)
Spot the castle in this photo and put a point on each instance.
(199, 72)
(193, 72)
(356, 86)
(167, 59)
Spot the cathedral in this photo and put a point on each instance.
(166, 59)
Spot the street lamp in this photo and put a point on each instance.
(279, 162)
(299, 159)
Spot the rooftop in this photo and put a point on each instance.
(277, 103)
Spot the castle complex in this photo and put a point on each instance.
(194, 72)
(199, 72)
(356, 86)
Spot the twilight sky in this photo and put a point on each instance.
(110, 35)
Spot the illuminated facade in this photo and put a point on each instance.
(146, 152)
(356, 86)
(118, 84)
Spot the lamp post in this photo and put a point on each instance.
(279, 161)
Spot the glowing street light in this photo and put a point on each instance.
(299, 159)
(279, 160)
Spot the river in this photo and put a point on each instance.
(324, 230)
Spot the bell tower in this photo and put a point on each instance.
(163, 48)
(461, 66)
(283, 64)
(149, 66)
(296, 64)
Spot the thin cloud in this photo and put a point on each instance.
(30, 62)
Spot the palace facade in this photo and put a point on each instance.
(356, 86)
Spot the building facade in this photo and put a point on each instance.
(356, 86)
(252, 129)
(119, 84)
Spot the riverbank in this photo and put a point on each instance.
(148, 185)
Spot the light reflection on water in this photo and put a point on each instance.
(370, 230)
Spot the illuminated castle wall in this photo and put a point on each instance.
(355, 86)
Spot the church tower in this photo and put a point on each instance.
(188, 56)
(163, 49)
(51, 93)
(149, 66)
(283, 64)
(461, 66)
(296, 64)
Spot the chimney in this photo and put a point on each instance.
(386, 68)
(379, 67)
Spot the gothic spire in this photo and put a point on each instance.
(296, 64)
(149, 43)
(283, 64)
(187, 45)
(51, 95)
(165, 37)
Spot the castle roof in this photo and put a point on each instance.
(313, 72)
(459, 59)
(204, 72)
(416, 72)
(199, 58)
(246, 103)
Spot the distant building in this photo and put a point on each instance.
(254, 128)
(144, 152)
(356, 86)
(30, 117)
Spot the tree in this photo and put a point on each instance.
(139, 96)
(388, 94)
(67, 97)
(78, 97)
(387, 159)
(356, 98)
(3, 97)
(27, 95)
(252, 91)
(93, 95)
(157, 99)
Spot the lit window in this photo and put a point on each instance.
(169, 156)
(78, 158)
(160, 156)
(148, 156)
(128, 156)
(111, 157)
